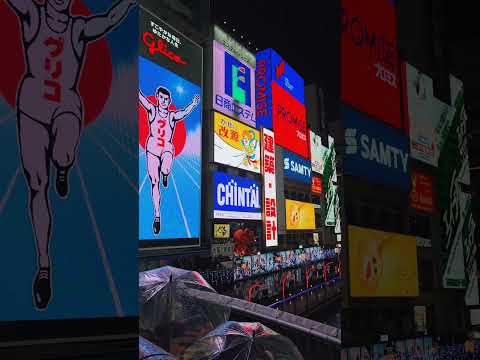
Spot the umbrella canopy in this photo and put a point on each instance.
(242, 341)
(147, 350)
(169, 316)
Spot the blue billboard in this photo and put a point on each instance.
(236, 197)
(296, 167)
(272, 67)
(375, 151)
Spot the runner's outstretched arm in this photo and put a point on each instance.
(181, 114)
(97, 26)
(145, 102)
(22, 7)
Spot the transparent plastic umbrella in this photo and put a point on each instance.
(242, 341)
(169, 316)
(147, 350)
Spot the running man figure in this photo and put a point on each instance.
(160, 149)
(50, 109)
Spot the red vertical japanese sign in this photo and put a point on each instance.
(269, 185)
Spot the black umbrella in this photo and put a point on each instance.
(169, 315)
(147, 350)
(242, 341)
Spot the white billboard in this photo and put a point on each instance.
(317, 153)
(269, 186)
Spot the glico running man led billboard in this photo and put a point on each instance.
(170, 115)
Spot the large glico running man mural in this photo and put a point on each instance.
(61, 112)
(170, 77)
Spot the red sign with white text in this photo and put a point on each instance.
(316, 185)
(269, 186)
(421, 195)
(289, 121)
(369, 64)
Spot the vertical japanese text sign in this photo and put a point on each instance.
(270, 193)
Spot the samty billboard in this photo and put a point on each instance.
(280, 102)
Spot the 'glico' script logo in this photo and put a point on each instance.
(161, 47)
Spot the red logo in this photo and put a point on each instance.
(280, 69)
(421, 195)
(161, 47)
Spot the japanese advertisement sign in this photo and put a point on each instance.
(421, 193)
(329, 181)
(270, 189)
(68, 201)
(233, 85)
(375, 151)
(317, 153)
(221, 231)
(236, 144)
(427, 117)
(296, 168)
(170, 136)
(457, 248)
(299, 215)
(382, 264)
(316, 185)
(369, 59)
(233, 46)
(236, 197)
(280, 102)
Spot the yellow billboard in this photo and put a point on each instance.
(222, 231)
(382, 264)
(299, 215)
(236, 144)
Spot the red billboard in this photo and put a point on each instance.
(289, 121)
(370, 69)
(317, 185)
(421, 195)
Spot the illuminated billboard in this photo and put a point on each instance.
(427, 117)
(299, 215)
(236, 144)
(317, 153)
(382, 264)
(296, 168)
(375, 151)
(233, 85)
(270, 188)
(236, 197)
(459, 266)
(170, 136)
(280, 102)
(68, 199)
(421, 193)
(317, 185)
(369, 59)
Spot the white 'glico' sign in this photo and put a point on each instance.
(270, 191)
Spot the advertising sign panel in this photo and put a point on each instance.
(317, 153)
(427, 116)
(221, 231)
(270, 188)
(236, 144)
(64, 254)
(233, 46)
(233, 85)
(420, 315)
(331, 200)
(299, 215)
(421, 193)
(280, 102)
(236, 197)
(382, 264)
(296, 167)
(375, 151)
(452, 202)
(369, 59)
(316, 185)
(170, 146)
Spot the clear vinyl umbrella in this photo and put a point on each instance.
(169, 316)
(147, 350)
(242, 341)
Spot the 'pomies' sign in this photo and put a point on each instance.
(280, 102)
(374, 150)
(369, 59)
